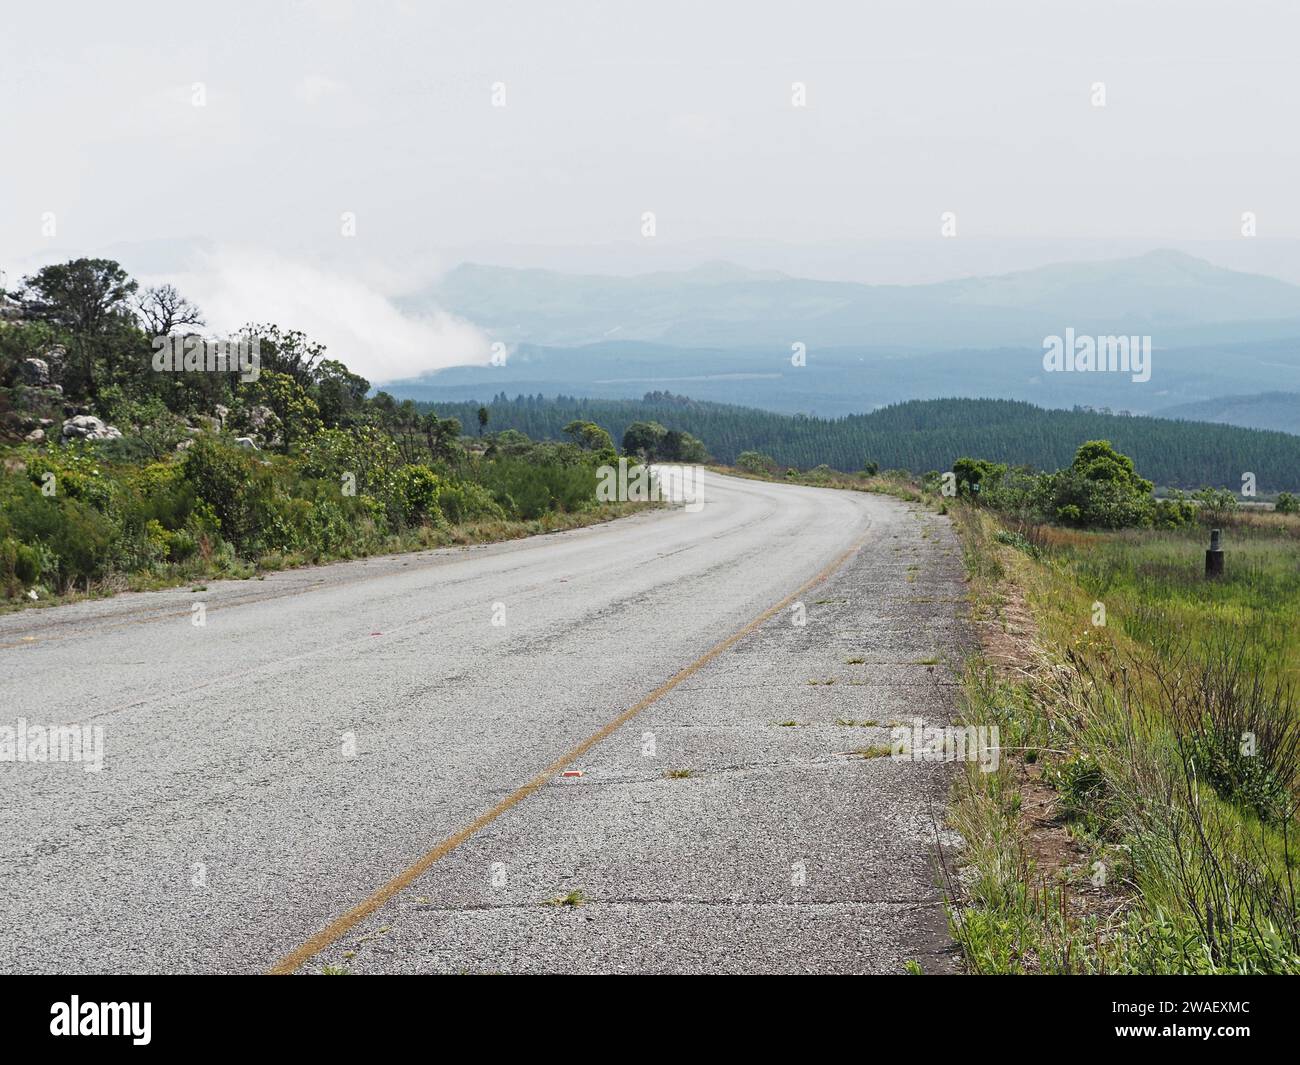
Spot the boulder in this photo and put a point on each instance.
(259, 417)
(222, 414)
(247, 443)
(55, 355)
(35, 372)
(36, 436)
(88, 427)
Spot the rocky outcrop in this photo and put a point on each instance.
(35, 373)
(88, 427)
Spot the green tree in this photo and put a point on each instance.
(90, 301)
(642, 439)
(589, 436)
(976, 476)
(297, 412)
(1100, 489)
(340, 394)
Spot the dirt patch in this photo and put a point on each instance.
(1010, 642)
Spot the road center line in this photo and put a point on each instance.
(340, 926)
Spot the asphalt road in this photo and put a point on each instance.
(327, 732)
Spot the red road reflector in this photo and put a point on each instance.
(572, 773)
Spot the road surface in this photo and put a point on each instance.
(360, 766)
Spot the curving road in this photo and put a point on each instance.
(354, 766)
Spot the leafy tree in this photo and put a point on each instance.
(642, 439)
(297, 413)
(82, 296)
(89, 300)
(679, 446)
(976, 476)
(589, 436)
(340, 394)
(1101, 489)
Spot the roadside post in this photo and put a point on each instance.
(1214, 556)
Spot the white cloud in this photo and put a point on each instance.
(356, 321)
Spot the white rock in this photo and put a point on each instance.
(88, 427)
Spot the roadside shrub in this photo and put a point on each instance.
(462, 501)
(236, 489)
(19, 564)
(756, 462)
(975, 477)
(417, 489)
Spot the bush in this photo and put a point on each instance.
(417, 489)
(1216, 503)
(755, 462)
(975, 477)
(462, 501)
(19, 563)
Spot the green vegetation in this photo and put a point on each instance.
(924, 435)
(572, 900)
(1154, 715)
(874, 751)
(220, 472)
(651, 442)
(1100, 489)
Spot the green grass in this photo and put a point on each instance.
(573, 899)
(1135, 725)
(874, 751)
(1153, 586)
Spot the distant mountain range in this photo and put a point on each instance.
(1169, 295)
(721, 332)
(1264, 410)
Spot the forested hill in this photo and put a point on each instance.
(926, 435)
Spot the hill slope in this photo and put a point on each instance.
(928, 434)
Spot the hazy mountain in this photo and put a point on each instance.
(1175, 298)
(849, 380)
(1263, 410)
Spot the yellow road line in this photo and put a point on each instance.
(336, 929)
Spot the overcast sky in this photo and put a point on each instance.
(385, 109)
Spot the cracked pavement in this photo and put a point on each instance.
(745, 821)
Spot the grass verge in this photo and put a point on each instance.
(1143, 813)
